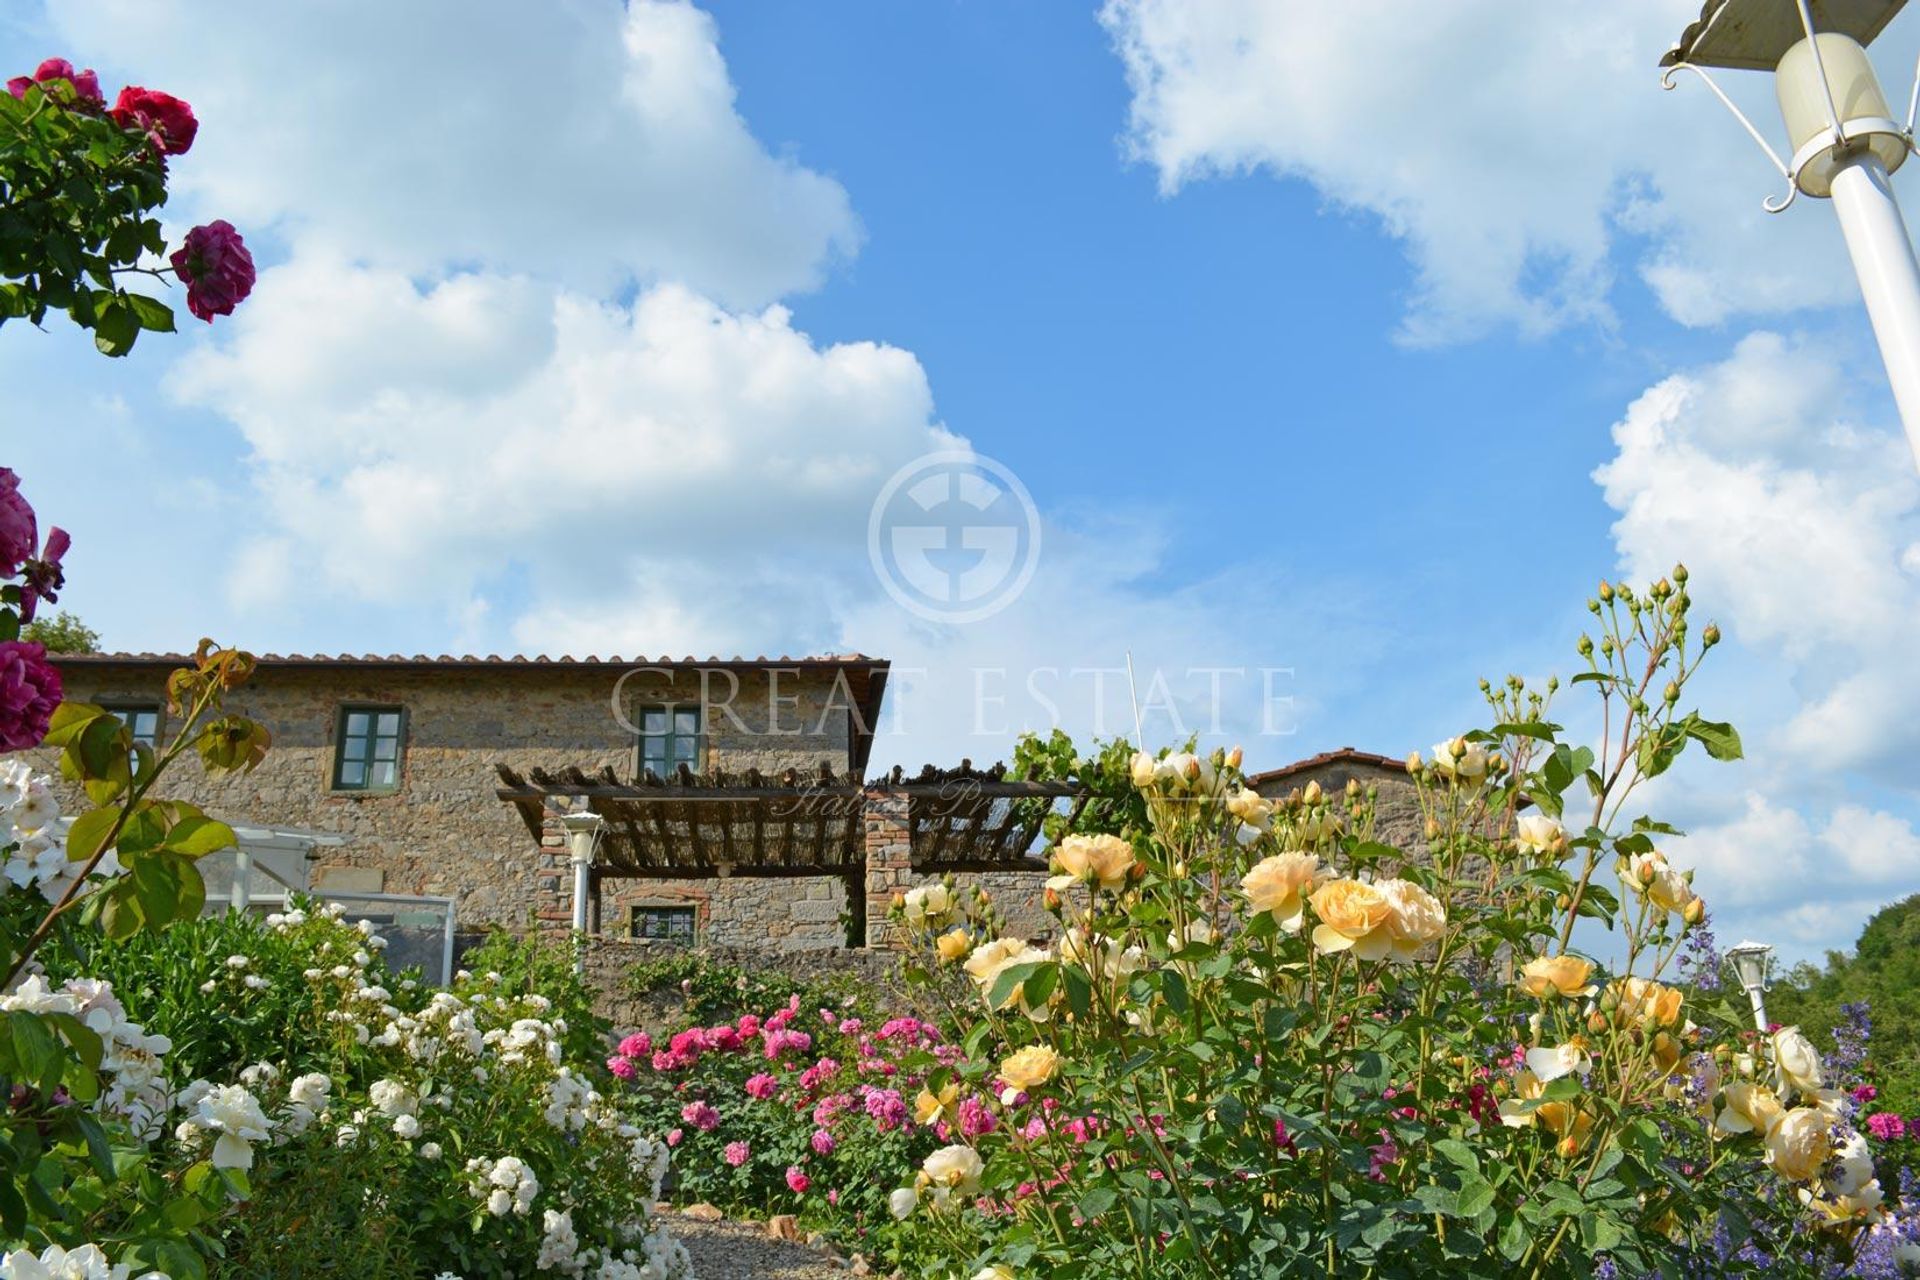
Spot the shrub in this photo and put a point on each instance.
(1267, 1045)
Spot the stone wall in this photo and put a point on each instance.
(610, 960)
(444, 832)
(1397, 817)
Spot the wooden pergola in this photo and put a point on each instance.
(796, 823)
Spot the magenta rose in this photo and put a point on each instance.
(166, 120)
(19, 533)
(29, 691)
(44, 577)
(86, 85)
(216, 268)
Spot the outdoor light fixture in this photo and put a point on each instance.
(583, 833)
(1750, 965)
(1844, 144)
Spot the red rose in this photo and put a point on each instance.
(86, 85)
(165, 119)
(29, 691)
(216, 268)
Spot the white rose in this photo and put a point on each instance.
(1797, 1059)
(903, 1202)
(1540, 835)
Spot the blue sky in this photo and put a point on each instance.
(1356, 345)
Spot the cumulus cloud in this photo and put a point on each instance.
(584, 141)
(1795, 510)
(667, 463)
(1515, 150)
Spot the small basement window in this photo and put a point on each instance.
(664, 924)
(366, 748)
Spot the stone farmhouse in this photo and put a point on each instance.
(732, 807)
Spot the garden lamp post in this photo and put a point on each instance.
(1844, 144)
(1750, 965)
(583, 833)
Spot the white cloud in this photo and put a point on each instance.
(1794, 513)
(585, 141)
(653, 470)
(1511, 148)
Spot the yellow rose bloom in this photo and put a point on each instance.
(1105, 860)
(1278, 886)
(1353, 917)
(1750, 1108)
(1546, 976)
(953, 946)
(1643, 1000)
(930, 1107)
(1799, 1143)
(1029, 1068)
(1416, 918)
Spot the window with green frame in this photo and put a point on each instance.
(671, 736)
(142, 720)
(366, 748)
(664, 923)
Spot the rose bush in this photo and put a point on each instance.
(81, 185)
(1265, 1044)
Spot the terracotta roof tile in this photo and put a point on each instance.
(469, 660)
(1339, 755)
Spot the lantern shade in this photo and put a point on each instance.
(1753, 35)
(1856, 97)
(1750, 963)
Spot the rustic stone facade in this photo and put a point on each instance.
(1398, 820)
(444, 831)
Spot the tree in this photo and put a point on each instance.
(81, 185)
(62, 633)
(1884, 971)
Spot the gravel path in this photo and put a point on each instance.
(731, 1250)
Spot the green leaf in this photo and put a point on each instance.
(1721, 740)
(115, 329)
(36, 1052)
(198, 837)
(153, 314)
(89, 832)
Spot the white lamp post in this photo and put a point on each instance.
(583, 833)
(1844, 145)
(1750, 964)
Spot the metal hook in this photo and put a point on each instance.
(1772, 204)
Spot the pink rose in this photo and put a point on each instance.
(674, 1136)
(637, 1045)
(622, 1067)
(29, 691)
(701, 1115)
(822, 1143)
(762, 1086)
(44, 577)
(797, 1180)
(166, 120)
(737, 1153)
(215, 266)
(19, 533)
(86, 85)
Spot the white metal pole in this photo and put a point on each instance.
(1889, 277)
(582, 877)
(242, 896)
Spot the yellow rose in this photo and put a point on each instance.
(950, 1171)
(998, 1271)
(1514, 1112)
(1750, 1108)
(1416, 918)
(1278, 886)
(1029, 1068)
(1654, 878)
(1642, 1000)
(930, 905)
(1799, 1143)
(990, 959)
(953, 945)
(1353, 917)
(1568, 1123)
(1547, 976)
(1540, 835)
(1251, 808)
(930, 1107)
(1107, 860)
(1460, 761)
